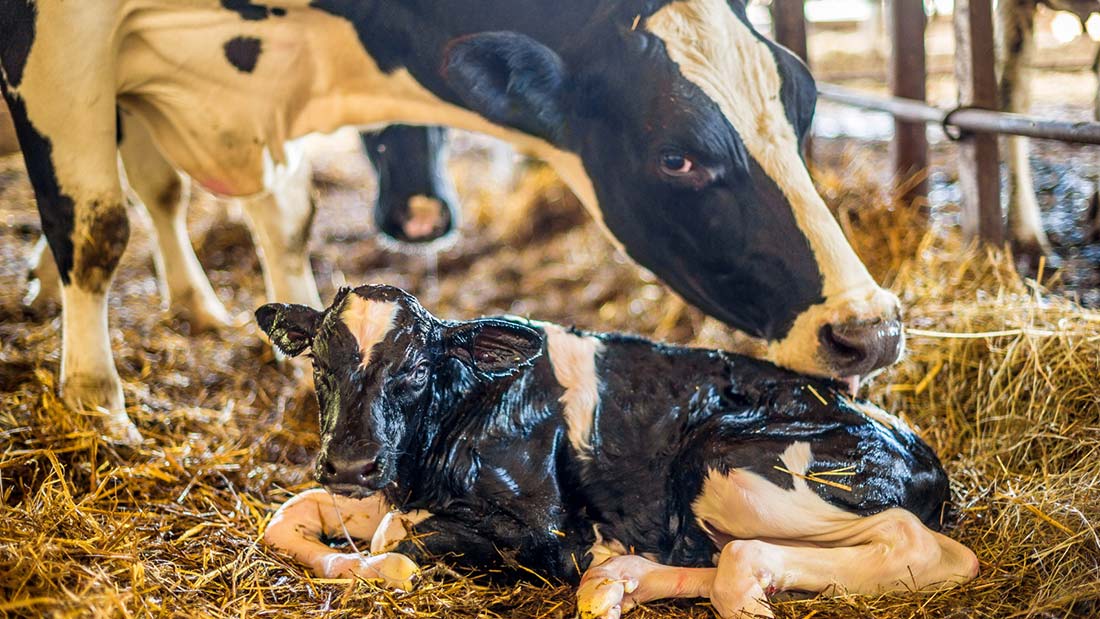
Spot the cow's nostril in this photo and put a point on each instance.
(855, 348)
(368, 471)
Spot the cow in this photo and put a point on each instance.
(1016, 34)
(416, 207)
(635, 469)
(676, 124)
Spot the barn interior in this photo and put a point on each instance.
(1001, 377)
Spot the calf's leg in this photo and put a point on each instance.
(281, 219)
(300, 524)
(165, 195)
(612, 588)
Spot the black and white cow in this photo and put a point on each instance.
(509, 444)
(417, 202)
(1016, 33)
(675, 123)
(416, 205)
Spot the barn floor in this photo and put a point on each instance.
(172, 528)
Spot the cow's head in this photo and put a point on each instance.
(417, 202)
(688, 125)
(385, 370)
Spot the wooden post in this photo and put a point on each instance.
(789, 20)
(789, 17)
(906, 20)
(979, 159)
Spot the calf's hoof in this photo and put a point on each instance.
(103, 397)
(390, 570)
(737, 592)
(602, 597)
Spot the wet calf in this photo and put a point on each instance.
(637, 470)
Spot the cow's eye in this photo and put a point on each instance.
(677, 164)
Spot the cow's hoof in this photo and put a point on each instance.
(103, 398)
(602, 598)
(1030, 252)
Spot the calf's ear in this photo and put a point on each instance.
(493, 348)
(290, 327)
(509, 78)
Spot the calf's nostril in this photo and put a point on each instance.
(368, 471)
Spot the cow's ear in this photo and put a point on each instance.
(290, 327)
(493, 348)
(509, 78)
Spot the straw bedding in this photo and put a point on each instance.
(1001, 378)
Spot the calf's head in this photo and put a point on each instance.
(688, 126)
(385, 370)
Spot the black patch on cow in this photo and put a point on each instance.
(54, 207)
(243, 53)
(105, 231)
(252, 11)
(17, 28)
(118, 126)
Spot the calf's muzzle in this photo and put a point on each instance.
(349, 476)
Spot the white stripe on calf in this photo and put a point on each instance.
(369, 322)
(573, 358)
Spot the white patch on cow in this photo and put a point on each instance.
(719, 53)
(787, 511)
(369, 321)
(573, 358)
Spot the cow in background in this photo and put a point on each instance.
(1016, 34)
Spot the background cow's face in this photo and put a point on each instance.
(689, 124)
(378, 357)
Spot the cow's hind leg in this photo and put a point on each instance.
(281, 219)
(68, 144)
(302, 523)
(43, 280)
(165, 195)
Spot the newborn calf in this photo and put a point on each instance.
(636, 469)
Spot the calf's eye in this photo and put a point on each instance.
(419, 375)
(677, 164)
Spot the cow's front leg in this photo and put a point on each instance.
(68, 144)
(281, 219)
(619, 584)
(301, 524)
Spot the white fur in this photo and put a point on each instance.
(369, 322)
(573, 358)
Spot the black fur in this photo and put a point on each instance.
(243, 53)
(251, 11)
(488, 454)
(409, 162)
(17, 30)
(55, 208)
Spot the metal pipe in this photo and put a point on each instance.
(967, 119)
